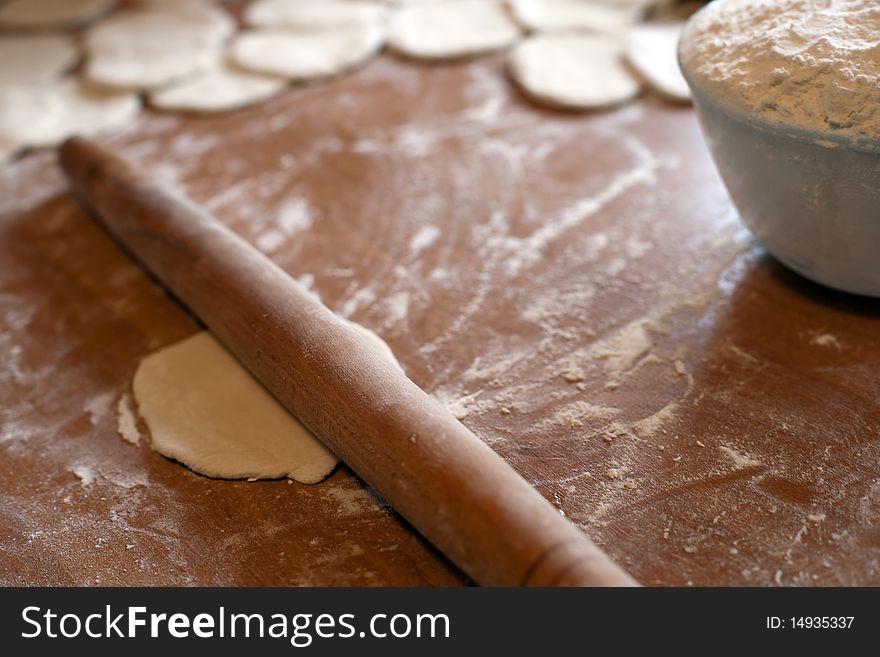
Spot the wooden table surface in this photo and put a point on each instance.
(577, 288)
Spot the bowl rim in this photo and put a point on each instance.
(791, 131)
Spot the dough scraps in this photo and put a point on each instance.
(205, 410)
(307, 54)
(652, 50)
(51, 13)
(35, 59)
(573, 70)
(451, 29)
(217, 90)
(154, 46)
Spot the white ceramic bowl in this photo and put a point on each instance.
(811, 198)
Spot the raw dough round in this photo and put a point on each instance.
(652, 50)
(155, 46)
(81, 109)
(28, 114)
(8, 149)
(307, 54)
(51, 13)
(320, 14)
(451, 29)
(35, 59)
(573, 71)
(554, 15)
(217, 90)
(205, 410)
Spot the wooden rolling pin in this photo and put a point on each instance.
(456, 491)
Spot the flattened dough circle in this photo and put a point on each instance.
(554, 15)
(48, 115)
(652, 50)
(155, 46)
(35, 59)
(217, 90)
(573, 71)
(312, 14)
(451, 29)
(205, 410)
(307, 54)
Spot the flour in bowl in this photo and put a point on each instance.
(813, 64)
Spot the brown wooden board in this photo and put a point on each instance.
(577, 288)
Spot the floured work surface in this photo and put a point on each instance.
(578, 289)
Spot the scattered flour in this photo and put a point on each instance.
(656, 421)
(462, 406)
(826, 340)
(396, 308)
(270, 241)
(738, 459)
(576, 414)
(126, 422)
(423, 239)
(295, 215)
(617, 472)
(85, 473)
(573, 374)
(362, 297)
(626, 346)
(98, 406)
(354, 501)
